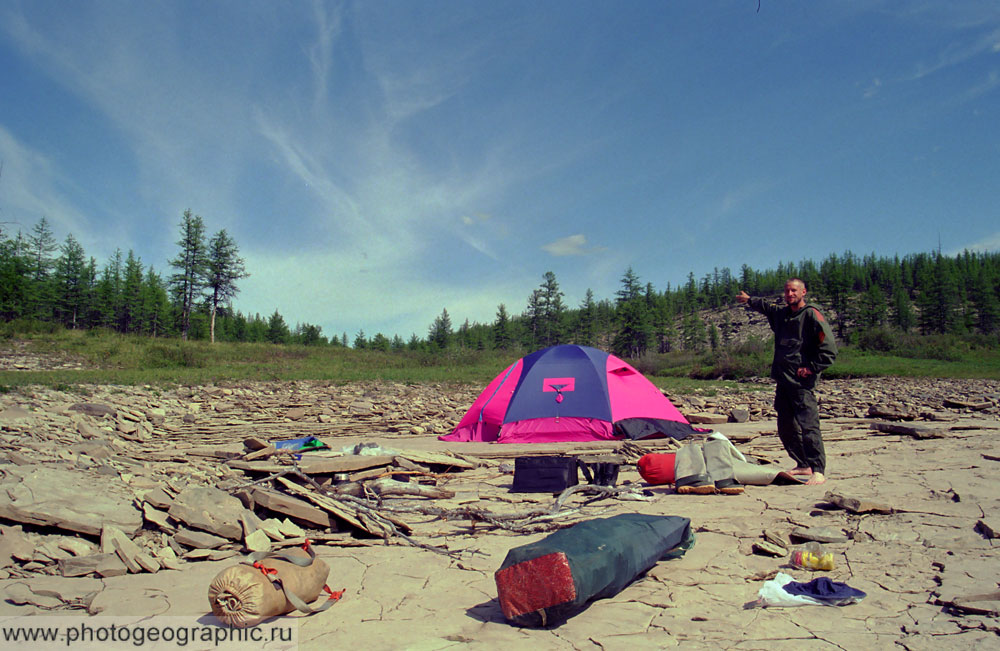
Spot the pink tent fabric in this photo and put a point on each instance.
(573, 393)
(633, 396)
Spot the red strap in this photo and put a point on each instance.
(265, 570)
(305, 545)
(333, 595)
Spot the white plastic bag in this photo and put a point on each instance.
(772, 593)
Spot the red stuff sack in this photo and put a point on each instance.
(657, 468)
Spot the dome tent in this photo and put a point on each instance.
(570, 393)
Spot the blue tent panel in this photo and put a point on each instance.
(562, 381)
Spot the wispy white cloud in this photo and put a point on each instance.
(184, 131)
(957, 53)
(571, 245)
(988, 244)
(988, 85)
(873, 88)
(30, 190)
(321, 52)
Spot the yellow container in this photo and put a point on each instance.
(812, 561)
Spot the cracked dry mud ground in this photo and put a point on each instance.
(938, 545)
(906, 562)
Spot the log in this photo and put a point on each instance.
(389, 486)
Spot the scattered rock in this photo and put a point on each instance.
(94, 409)
(209, 509)
(258, 541)
(916, 431)
(855, 505)
(48, 496)
(112, 538)
(21, 594)
(159, 498)
(989, 528)
(82, 565)
(769, 549)
(199, 539)
(110, 565)
(706, 418)
(820, 534)
(739, 415)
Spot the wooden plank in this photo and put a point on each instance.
(316, 466)
(293, 507)
(436, 458)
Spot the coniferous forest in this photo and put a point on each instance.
(872, 301)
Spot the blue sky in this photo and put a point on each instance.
(380, 161)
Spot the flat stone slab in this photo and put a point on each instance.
(94, 409)
(48, 496)
(14, 414)
(820, 534)
(704, 418)
(855, 505)
(199, 539)
(916, 431)
(209, 509)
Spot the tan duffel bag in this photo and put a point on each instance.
(269, 585)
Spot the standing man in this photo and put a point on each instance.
(803, 348)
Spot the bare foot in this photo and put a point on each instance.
(815, 478)
(800, 471)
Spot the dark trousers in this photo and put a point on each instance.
(798, 426)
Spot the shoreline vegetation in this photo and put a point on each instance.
(68, 358)
(64, 323)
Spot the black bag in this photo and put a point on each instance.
(556, 474)
(546, 582)
(544, 474)
(601, 473)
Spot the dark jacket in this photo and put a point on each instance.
(802, 338)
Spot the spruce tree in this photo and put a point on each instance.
(693, 332)
(902, 310)
(71, 282)
(985, 300)
(41, 244)
(14, 284)
(109, 293)
(872, 308)
(586, 324)
(501, 329)
(440, 333)
(277, 329)
(552, 311)
(130, 313)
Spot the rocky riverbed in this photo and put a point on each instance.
(127, 500)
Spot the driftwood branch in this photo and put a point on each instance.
(373, 514)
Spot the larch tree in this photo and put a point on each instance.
(224, 267)
(191, 263)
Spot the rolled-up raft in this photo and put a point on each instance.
(547, 582)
